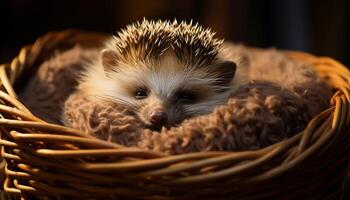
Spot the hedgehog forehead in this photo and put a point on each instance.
(192, 44)
(163, 78)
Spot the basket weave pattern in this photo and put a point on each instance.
(43, 159)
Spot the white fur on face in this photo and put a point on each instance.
(163, 79)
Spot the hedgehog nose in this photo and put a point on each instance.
(158, 117)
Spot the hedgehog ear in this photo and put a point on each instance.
(108, 59)
(226, 71)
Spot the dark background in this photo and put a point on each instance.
(316, 26)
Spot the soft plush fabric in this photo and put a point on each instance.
(282, 97)
(54, 81)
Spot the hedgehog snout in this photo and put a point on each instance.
(158, 117)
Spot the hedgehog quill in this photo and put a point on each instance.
(164, 71)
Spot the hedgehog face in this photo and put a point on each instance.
(165, 91)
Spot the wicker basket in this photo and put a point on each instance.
(56, 162)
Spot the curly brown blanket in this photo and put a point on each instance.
(282, 97)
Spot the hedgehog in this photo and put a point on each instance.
(164, 72)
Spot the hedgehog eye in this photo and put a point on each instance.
(185, 96)
(141, 93)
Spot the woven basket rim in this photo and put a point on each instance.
(323, 131)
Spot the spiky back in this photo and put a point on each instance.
(191, 43)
